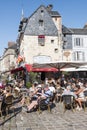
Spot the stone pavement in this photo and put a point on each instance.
(56, 120)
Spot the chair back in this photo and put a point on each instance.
(85, 93)
(68, 99)
(9, 99)
(0, 108)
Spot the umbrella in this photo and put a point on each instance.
(69, 69)
(82, 68)
(60, 64)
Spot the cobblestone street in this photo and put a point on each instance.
(56, 120)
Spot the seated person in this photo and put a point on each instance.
(16, 92)
(36, 93)
(80, 96)
(47, 93)
(1, 94)
(32, 89)
(53, 90)
(73, 87)
(6, 93)
(68, 91)
(52, 87)
(33, 94)
(59, 91)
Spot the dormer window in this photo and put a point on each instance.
(41, 40)
(42, 12)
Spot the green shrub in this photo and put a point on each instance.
(28, 84)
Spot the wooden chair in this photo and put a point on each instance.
(85, 93)
(0, 109)
(84, 103)
(9, 103)
(42, 104)
(68, 102)
(2, 117)
(17, 99)
(58, 95)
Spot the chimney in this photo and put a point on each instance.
(49, 7)
(85, 26)
(10, 44)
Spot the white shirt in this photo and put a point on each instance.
(52, 89)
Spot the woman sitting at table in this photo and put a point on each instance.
(80, 96)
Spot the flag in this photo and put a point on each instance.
(19, 59)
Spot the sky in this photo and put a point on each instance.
(73, 13)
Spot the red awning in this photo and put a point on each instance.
(29, 68)
(17, 69)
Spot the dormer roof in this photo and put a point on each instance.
(79, 31)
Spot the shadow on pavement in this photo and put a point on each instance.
(10, 115)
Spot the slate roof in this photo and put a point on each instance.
(49, 28)
(54, 13)
(66, 30)
(79, 31)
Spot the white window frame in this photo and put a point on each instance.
(78, 42)
(41, 40)
(78, 56)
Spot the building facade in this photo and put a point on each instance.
(79, 44)
(75, 43)
(8, 60)
(67, 43)
(40, 37)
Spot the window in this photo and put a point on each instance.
(42, 12)
(52, 41)
(41, 59)
(79, 56)
(41, 40)
(56, 50)
(55, 19)
(41, 23)
(78, 42)
(64, 45)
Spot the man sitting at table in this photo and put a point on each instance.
(44, 95)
